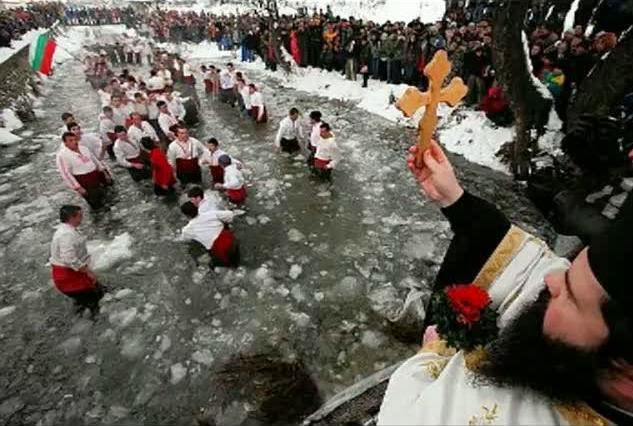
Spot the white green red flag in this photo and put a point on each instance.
(41, 54)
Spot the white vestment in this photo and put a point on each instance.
(434, 387)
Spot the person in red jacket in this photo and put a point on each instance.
(496, 106)
(162, 172)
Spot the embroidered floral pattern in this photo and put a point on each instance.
(487, 416)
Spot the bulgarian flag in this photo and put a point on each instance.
(41, 54)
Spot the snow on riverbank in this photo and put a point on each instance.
(467, 132)
(25, 40)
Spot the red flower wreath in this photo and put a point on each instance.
(464, 316)
(467, 301)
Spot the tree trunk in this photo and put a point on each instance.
(530, 106)
(585, 11)
(607, 83)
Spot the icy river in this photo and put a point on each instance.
(322, 268)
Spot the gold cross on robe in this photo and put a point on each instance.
(413, 99)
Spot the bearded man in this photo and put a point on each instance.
(564, 352)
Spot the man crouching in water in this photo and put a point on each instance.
(210, 227)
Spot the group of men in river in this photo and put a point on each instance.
(142, 129)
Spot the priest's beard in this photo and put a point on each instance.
(522, 356)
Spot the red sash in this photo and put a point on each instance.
(236, 196)
(321, 164)
(187, 165)
(222, 245)
(135, 160)
(94, 179)
(255, 114)
(67, 280)
(190, 79)
(208, 86)
(128, 122)
(217, 173)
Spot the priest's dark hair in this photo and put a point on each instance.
(161, 104)
(195, 192)
(213, 141)
(294, 111)
(67, 211)
(71, 125)
(119, 129)
(189, 209)
(66, 135)
(147, 143)
(66, 116)
(107, 108)
(325, 126)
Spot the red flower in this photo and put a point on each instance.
(467, 301)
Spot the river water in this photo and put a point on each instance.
(311, 257)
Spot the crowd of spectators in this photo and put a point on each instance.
(395, 52)
(15, 22)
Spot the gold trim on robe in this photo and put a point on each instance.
(501, 257)
(581, 415)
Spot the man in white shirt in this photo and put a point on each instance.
(327, 153)
(315, 135)
(70, 262)
(140, 105)
(174, 105)
(165, 74)
(128, 155)
(227, 84)
(289, 133)
(92, 141)
(166, 120)
(81, 171)
(184, 155)
(140, 129)
(210, 228)
(119, 111)
(233, 184)
(106, 130)
(258, 109)
(155, 83)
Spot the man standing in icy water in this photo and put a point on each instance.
(562, 349)
(70, 260)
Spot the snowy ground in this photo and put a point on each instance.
(323, 268)
(16, 45)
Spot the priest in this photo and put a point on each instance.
(564, 350)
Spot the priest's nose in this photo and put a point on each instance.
(554, 282)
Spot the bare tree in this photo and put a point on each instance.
(530, 106)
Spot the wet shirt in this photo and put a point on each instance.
(233, 177)
(206, 227)
(126, 150)
(288, 129)
(146, 131)
(68, 248)
(71, 163)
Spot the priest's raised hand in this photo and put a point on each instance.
(436, 177)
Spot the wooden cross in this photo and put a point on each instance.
(413, 99)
